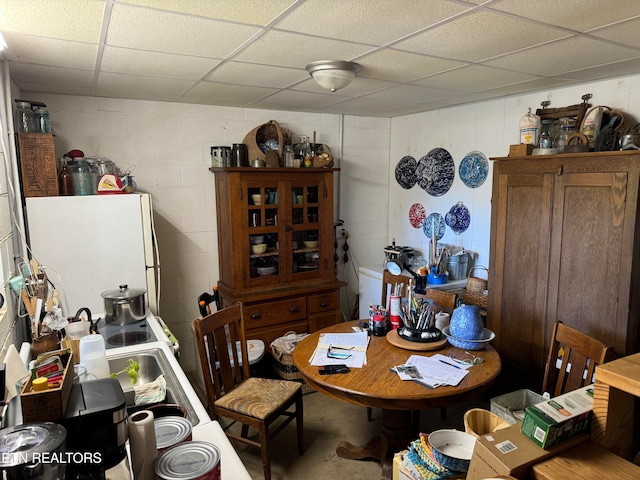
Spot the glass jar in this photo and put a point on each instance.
(546, 137)
(567, 128)
(82, 177)
(25, 119)
(288, 156)
(43, 120)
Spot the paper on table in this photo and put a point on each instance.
(435, 372)
(356, 355)
(452, 362)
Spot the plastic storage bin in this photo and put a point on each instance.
(511, 406)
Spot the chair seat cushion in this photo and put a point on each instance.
(258, 397)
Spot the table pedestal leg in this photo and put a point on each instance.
(398, 430)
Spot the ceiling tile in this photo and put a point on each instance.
(158, 31)
(242, 93)
(26, 73)
(76, 20)
(579, 15)
(46, 51)
(564, 56)
(624, 32)
(301, 99)
(65, 89)
(377, 23)
(617, 69)
(232, 10)
(155, 64)
(257, 75)
(139, 83)
(356, 106)
(473, 78)
(479, 35)
(393, 65)
(530, 86)
(294, 50)
(408, 95)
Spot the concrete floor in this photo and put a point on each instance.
(326, 423)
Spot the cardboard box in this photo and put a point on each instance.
(521, 149)
(49, 405)
(587, 461)
(509, 452)
(554, 421)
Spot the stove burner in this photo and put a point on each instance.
(128, 338)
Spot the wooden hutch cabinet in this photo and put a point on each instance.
(565, 245)
(276, 248)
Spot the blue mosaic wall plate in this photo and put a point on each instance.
(473, 169)
(435, 220)
(458, 218)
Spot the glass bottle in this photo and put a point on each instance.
(25, 119)
(43, 120)
(288, 156)
(545, 139)
(65, 181)
(567, 128)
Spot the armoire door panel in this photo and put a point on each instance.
(586, 252)
(525, 205)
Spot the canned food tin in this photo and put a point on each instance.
(189, 461)
(171, 431)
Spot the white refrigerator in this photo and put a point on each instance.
(90, 244)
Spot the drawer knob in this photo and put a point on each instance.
(324, 304)
(294, 309)
(256, 316)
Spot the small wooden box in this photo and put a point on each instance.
(39, 173)
(521, 149)
(49, 405)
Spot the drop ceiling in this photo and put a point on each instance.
(416, 55)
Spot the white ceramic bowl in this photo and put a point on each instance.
(452, 449)
(266, 270)
(255, 198)
(310, 243)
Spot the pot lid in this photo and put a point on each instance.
(123, 292)
(19, 444)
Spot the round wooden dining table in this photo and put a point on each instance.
(375, 385)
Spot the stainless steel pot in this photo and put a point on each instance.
(124, 305)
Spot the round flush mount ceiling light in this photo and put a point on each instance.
(333, 74)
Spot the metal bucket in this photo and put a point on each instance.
(458, 266)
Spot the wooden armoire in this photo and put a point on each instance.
(564, 246)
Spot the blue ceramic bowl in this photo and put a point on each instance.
(487, 336)
(452, 449)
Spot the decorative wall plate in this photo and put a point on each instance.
(406, 172)
(434, 222)
(474, 169)
(417, 215)
(458, 218)
(435, 172)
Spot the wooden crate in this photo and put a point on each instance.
(48, 405)
(38, 170)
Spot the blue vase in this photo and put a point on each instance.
(466, 323)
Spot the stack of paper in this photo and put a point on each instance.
(432, 371)
(348, 349)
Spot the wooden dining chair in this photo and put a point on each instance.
(389, 282)
(572, 360)
(233, 394)
(442, 301)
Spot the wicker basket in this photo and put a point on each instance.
(476, 284)
(261, 134)
(323, 157)
(472, 298)
(282, 350)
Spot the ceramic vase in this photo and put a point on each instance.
(466, 323)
